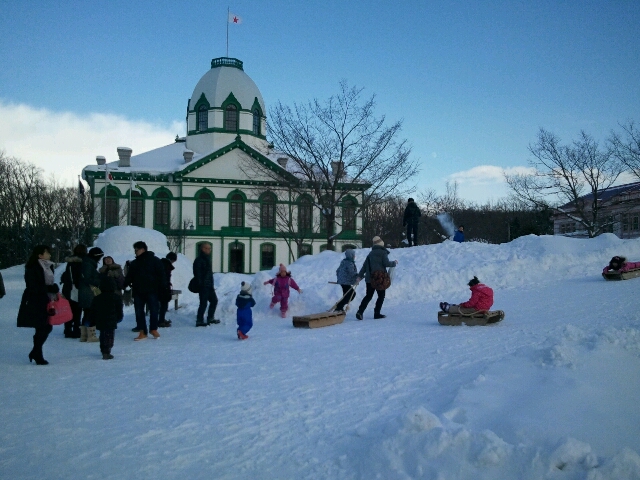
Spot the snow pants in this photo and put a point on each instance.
(284, 302)
(348, 297)
(459, 309)
(245, 320)
(412, 229)
(369, 296)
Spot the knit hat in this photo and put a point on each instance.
(473, 281)
(410, 200)
(96, 253)
(245, 288)
(378, 241)
(282, 268)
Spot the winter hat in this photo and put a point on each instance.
(245, 288)
(410, 200)
(473, 281)
(96, 253)
(172, 256)
(282, 269)
(350, 254)
(378, 241)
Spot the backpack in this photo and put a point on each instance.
(380, 279)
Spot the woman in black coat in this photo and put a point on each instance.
(40, 289)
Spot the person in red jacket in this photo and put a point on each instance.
(481, 299)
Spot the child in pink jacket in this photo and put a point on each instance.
(481, 299)
(281, 284)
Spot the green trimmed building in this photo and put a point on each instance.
(202, 187)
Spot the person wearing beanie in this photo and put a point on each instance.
(459, 235)
(89, 289)
(281, 289)
(244, 302)
(481, 299)
(376, 261)
(410, 220)
(165, 293)
(347, 274)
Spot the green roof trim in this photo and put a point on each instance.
(227, 62)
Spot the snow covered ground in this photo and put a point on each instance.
(551, 392)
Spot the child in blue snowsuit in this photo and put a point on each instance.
(244, 302)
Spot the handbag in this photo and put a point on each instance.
(193, 285)
(59, 311)
(74, 293)
(380, 279)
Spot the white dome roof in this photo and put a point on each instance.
(227, 76)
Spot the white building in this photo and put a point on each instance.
(199, 189)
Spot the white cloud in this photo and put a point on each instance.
(63, 143)
(486, 174)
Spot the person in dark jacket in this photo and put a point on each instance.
(377, 260)
(165, 293)
(89, 288)
(147, 279)
(347, 276)
(107, 313)
(410, 220)
(203, 273)
(459, 235)
(40, 290)
(70, 288)
(111, 269)
(244, 302)
(3, 292)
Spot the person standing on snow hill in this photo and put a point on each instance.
(146, 277)
(481, 299)
(244, 302)
(347, 274)
(281, 285)
(410, 220)
(203, 273)
(376, 261)
(459, 235)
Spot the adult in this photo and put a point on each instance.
(410, 220)
(3, 292)
(203, 273)
(377, 260)
(89, 288)
(459, 235)
(165, 293)
(70, 280)
(112, 270)
(40, 289)
(146, 277)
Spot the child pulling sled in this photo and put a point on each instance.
(282, 284)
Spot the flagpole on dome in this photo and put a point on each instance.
(130, 190)
(228, 13)
(104, 200)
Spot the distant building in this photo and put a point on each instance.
(196, 190)
(620, 211)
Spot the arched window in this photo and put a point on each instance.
(111, 208)
(267, 256)
(268, 211)
(305, 215)
(348, 247)
(231, 118)
(137, 209)
(256, 121)
(204, 210)
(349, 215)
(203, 118)
(326, 224)
(162, 210)
(236, 211)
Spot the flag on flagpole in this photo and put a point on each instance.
(80, 187)
(233, 18)
(134, 186)
(107, 175)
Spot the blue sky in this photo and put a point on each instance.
(473, 81)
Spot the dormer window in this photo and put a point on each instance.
(231, 118)
(203, 118)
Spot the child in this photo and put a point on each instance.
(106, 310)
(347, 274)
(481, 299)
(281, 285)
(245, 302)
(165, 292)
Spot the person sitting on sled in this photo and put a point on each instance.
(620, 264)
(281, 284)
(481, 299)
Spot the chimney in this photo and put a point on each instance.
(282, 161)
(124, 157)
(337, 168)
(100, 160)
(187, 155)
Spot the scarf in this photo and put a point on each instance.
(48, 272)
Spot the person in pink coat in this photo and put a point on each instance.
(481, 299)
(281, 288)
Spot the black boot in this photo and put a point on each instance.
(106, 354)
(378, 315)
(36, 353)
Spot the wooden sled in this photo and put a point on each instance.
(317, 320)
(617, 275)
(478, 318)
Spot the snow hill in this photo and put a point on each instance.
(549, 393)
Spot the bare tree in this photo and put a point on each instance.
(568, 179)
(335, 148)
(627, 150)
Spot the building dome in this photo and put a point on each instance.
(227, 77)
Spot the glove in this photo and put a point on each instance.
(266, 282)
(299, 290)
